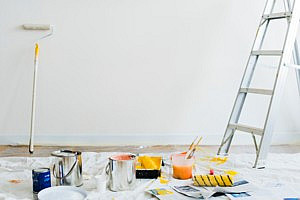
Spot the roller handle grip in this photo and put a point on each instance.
(36, 51)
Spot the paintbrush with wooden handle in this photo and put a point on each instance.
(192, 149)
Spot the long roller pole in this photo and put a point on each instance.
(36, 63)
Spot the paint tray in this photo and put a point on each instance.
(148, 167)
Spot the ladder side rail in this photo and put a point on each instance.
(296, 60)
(289, 6)
(240, 97)
(278, 86)
(269, 7)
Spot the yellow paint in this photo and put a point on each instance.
(163, 192)
(217, 160)
(163, 181)
(36, 50)
(147, 162)
(231, 172)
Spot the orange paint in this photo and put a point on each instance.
(182, 172)
(15, 181)
(122, 157)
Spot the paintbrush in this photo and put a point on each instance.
(192, 149)
(191, 146)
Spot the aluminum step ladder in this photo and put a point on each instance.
(288, 52)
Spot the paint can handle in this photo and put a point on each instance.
(68, 174)
(107, 168)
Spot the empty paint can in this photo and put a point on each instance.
(67, 168)
(41, 179)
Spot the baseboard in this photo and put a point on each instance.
(138, 139)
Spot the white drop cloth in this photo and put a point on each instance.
(280, 179)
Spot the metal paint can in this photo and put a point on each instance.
(41, 179)
(121, 172)
(67, 168)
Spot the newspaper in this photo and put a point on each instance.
(189, 191)
(168, 194)
(175, 192)
(236, 196)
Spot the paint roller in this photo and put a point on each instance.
(224, 180)
(36, 27)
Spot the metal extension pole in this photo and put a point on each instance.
(36, 63)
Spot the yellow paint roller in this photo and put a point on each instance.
(213, 180)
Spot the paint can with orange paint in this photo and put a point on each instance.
(121, 171)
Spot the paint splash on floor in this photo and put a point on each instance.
(217, 160)
(15, 181)
(231, 172)
(162, 191)
(162, 180)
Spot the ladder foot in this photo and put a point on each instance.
(222, 154)
(260, 164)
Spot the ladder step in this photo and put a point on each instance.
(277, 15)
(245, 128)
(256, 91)
(293, 66)
(267, 53)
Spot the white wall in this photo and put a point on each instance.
(130, 71)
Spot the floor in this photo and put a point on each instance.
(279, 180)
(44, 151)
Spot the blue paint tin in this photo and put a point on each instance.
(41, 179)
